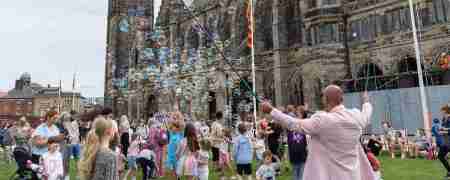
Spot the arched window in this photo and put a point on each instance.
(407, 68)
(263, 23)
(293, 20)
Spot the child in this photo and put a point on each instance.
(242, 151)
(260, 147)
(267, 170)
(187, 152)
(158, 140)
(203, 157)
(133, 152)
(204, 130)
(145, 159)
(224, 155)
(52, 162)
(175, 136)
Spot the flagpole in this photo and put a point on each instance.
(253, 59)
(419, 72)
(59, 96)
(73, 90)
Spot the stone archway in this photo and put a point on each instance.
(407, 68)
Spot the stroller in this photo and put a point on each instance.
(22, 156)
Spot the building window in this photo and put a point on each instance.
(389, 24)
(372, 27)
(327, 33)
(439, 9)
(396, 20)
(263, 33)
(447, 7)
(405, 19)
(329, 2)
(294, 22)
(355, 32)
(364, 29)
(425, 17)
(316, 35)
(308, 37)
(312, 3)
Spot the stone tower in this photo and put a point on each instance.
(128, 23)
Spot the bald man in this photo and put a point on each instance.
(335, 152)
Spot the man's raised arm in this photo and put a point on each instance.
(308, 126)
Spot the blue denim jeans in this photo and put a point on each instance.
(75, 150)
(297, 171)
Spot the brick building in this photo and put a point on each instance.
(32, 100)
(19, 101)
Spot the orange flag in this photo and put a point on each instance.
(249, 15)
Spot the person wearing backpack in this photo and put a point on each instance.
(243, 152)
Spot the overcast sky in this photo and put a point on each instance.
(51, 40)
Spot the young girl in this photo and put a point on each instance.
(260, 147)
(158, 140)
(243, 153)
(203, 157)
(52, 162)
(224, 155)
(267, 170)
(99, 161)
(133, 152)
(187, 153)
(175, 136)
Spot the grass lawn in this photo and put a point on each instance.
(393, 169)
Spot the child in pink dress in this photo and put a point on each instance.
(158, 141)
(187, 153)
(224, 154)
(52, 163)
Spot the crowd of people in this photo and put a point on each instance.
(318, 146)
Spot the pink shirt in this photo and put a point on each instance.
(53, 165)
(335, 152)
(133, 150)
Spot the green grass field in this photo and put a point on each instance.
(393, 169)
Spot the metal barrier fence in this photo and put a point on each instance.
(401, 107)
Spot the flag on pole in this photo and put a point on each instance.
(249, 15)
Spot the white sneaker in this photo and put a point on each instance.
(67, 178)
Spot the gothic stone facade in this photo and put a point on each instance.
(302, 45)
